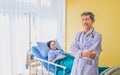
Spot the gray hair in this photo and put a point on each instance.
(88, 13)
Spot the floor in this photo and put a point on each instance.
(37, 72)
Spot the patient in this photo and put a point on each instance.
(54, 53)
(58, 56)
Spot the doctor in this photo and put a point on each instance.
(86, 47)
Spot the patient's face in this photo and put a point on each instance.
(53, 45)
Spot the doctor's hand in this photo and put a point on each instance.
(89, 54)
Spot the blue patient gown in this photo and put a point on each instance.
(53, 54)
(83, 42)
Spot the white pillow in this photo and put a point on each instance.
(103, 73)
(113, 71)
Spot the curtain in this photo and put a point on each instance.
(22, 24)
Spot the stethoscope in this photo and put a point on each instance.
(88, 34)
(91, 33)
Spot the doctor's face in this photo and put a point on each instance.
(87, 23)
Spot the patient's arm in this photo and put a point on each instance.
(59, 57)
(53, 61)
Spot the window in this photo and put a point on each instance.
(47, 21)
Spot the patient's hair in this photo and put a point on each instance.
(88, 13)
(48, 44)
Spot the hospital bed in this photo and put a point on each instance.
(51, 67)
(40, 53)
(114, 70)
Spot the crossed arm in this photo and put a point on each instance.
(89, 54)
(94, 48)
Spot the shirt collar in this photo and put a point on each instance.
(90, 31)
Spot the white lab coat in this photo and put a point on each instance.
(83, 42)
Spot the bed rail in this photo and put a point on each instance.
(56, 65)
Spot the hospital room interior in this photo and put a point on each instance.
(27, 25)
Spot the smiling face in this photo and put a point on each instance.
(53, 45)
(87, 23)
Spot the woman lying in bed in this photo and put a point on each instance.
(58, 56)
(54, 53)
